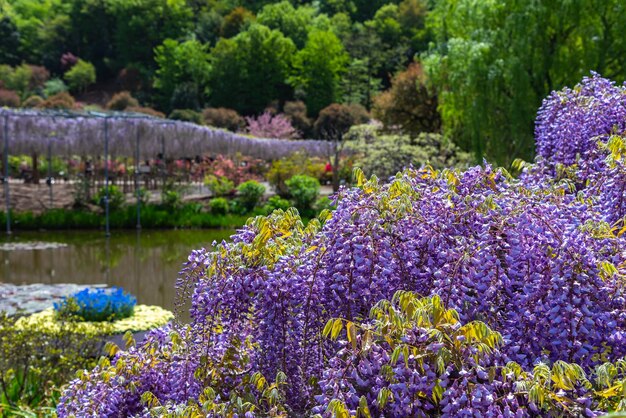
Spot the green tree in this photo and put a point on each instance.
(182, 64)
(293, 22)
(142, 25)
(43, 26)
(236, 21)
(318, 68)
(10, 44)
(495, 60)
(249, 71)
(92, 33)
(81, 75)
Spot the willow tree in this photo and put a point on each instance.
(494, 61)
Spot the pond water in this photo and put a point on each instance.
(146, 263)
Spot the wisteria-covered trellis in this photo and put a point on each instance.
(67, 133)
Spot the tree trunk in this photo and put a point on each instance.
(336, 168)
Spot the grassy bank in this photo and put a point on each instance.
(152, 216)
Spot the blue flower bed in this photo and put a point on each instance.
(97, 305)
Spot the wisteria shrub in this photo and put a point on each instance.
(444, 293)
(534, 264)
(572, 121)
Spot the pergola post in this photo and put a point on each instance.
(106, 177)
(49, 180)
(137, 193)
(6, 173)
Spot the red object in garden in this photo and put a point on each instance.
(328, 168)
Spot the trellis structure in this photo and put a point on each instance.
(65, 133)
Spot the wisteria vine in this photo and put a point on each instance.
(437, 294)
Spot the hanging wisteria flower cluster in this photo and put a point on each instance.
(70, 134)
(438, 294)
(572, 122)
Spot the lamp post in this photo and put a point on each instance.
(6, 173)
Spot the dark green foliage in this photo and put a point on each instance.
(274, 203)
(219, 206)
(494, 65)
(258, 60)
(152, 216)
(187, 115)
(116, 197)
(183, 74)
(250, 194)
(220, 186)
(80, 76)
(304, 191)
(318, 68)
(10, 41)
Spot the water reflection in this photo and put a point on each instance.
(146, 263)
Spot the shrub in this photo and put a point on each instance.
(275, 203)
(81, 75)
(38, 77)
(33, 101)
(271, 126)
(96, 305)
(219, 186)
(297, 114)
(336, 120)
(219, 206)
(20, 79)
(9, 98)
(236, 169)
(147, 111)
(384, 155)
(54, 87)
(122, 101)
(187, 115)
(533, 259)
(6, 71)
(499, 255)
(68, 60)
(223, 118)
(34, 366)
(171, 195)
(304, 190)
(285, 168)
(116, 198)
(250, 193)
(61, 100)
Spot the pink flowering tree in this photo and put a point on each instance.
(268, 125)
